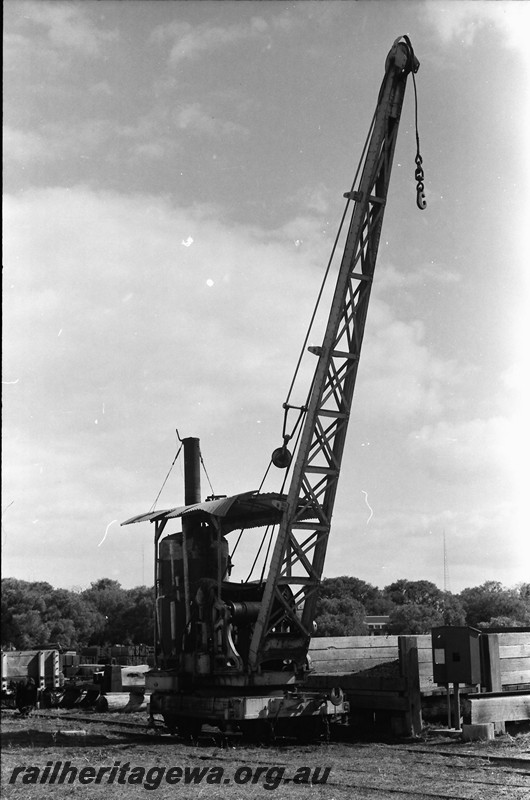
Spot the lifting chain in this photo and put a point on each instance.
(421, 202)
(419, 176)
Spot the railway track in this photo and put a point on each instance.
(140, 731)
(428, 769)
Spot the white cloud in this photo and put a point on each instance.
(154, 336)
(190, 41)
(457, 451)
(154, 150)
(462, 20)
(210, 360)
(58, 140)
(194, 117)
(391, 278)
(402, 378)
(79, 253)
(91, 250)
(146, 346)
(317, 199)
(483, 540)
(25, 146)
(155, 135)
(101, 88)
(67, 26)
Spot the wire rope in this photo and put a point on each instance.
(206, 473)
(257, 554)
(302, 409)
(266, 557)
(165, 479)
(236, 544)
(330, 261)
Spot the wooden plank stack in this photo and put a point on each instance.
(391, 673)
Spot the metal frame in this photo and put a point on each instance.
(300, 548)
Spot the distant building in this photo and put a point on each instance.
(378, 626)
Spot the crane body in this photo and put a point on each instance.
(236, 653)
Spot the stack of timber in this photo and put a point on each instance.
(508, 658)
(506, 678)
(351, 653)
(514, 658)
(356, 653)
(498, 707)
(373, 672)
(379, 678)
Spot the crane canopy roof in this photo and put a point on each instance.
(246, 510)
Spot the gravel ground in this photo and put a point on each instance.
(96, 754)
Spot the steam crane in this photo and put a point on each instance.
(235, 654)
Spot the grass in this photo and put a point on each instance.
(434, 767)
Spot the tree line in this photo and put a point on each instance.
(34, 613)
(415, 607)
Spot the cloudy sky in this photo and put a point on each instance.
(173, 183)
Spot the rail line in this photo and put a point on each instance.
(141, 731)
(378, 770)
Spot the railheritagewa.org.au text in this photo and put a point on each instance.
(268, 777)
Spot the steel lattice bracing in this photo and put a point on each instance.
(300, 548)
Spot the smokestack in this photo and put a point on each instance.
(192, 471)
